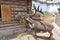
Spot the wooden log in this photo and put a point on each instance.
(13, 3)
(19, 11)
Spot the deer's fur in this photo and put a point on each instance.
(41, 26)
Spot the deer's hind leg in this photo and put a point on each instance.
(51, 34)
(34, 32)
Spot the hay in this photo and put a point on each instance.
(22, 36)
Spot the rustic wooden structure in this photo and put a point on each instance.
(9, 8)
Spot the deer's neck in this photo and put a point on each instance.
(30, 21)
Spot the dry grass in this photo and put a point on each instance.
(22, 36)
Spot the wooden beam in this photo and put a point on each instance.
(19, 11)
(13, 3)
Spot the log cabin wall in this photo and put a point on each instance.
(11, 8)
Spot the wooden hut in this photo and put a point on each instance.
(9, 8)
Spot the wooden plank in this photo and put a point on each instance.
(6, 12)
(29, 3)
(13, 0)
(13, 3)
(23, 7)
(19, 10)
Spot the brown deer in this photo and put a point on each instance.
(41, 26)
(38, 25)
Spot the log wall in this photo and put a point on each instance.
(12, 7)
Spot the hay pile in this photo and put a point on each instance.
(24, 36)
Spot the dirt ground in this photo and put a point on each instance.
(40, 36)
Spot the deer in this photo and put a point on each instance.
(39, 26)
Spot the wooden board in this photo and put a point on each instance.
(6, 12)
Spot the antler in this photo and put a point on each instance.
(38, 8)
(41, 11)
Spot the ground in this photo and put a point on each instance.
(14, 34)
(40, 36)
